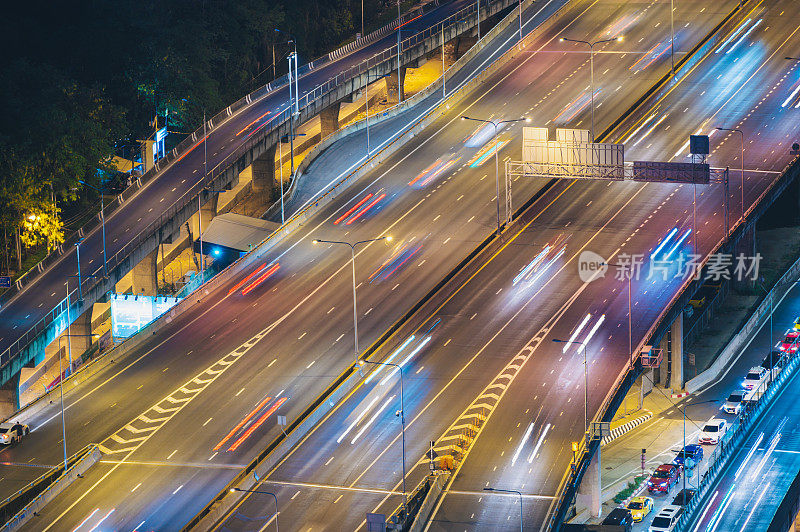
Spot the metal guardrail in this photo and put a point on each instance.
(192, 141)
(12, 509)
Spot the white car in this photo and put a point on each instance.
(713, 431)
(754, 377)
(11, 433)
(666, 518)
(733, 404)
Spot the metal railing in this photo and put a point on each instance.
(193, 140)
(738, 432)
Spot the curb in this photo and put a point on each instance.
(625, 428)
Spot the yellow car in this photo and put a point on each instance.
(640, 507)
(797, 324)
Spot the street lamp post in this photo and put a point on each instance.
(399, 79)
(496, 124)
(403, 425)
(771, 310)
(478, 18)
(262, 493)
(672, 34)
(591, 46)
(78, 253)
(498, 490)
(353, 254)
(103, 222)
(61, 386)
(741, 133)
(585, 381)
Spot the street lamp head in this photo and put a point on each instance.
(315, 241)
(620, 38)
(463, 118)
(561, 39)
(527, 120)
(389, 239)
(361, 363)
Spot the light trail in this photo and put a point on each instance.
(359, 418)
(371, 420)
(538, 444)
(393, 355)
(575, 334)
(263, 277)
(242, 423)
(522, 443)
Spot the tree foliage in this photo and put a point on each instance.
(43, 225)
(82, 79)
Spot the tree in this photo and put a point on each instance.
(43, 225)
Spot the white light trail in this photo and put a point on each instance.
(575, 334)
(732, 36)
(594, 330)
(396, 352)
(743, 37)
(405, 360)
(749, 455)
(522, 443)
(744, 526)
(359, 418)
(372, 419)
(538, 443)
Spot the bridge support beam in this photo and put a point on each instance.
(329, 119)
(590, 491)
(394, 88)
(9, 396)
(145, 275)
(263, 171)
(676, 332)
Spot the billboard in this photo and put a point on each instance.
(130, 313)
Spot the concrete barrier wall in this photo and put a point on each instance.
(743, 338)
(35, 506)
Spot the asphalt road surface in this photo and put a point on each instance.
(306, 338)
(40, 296)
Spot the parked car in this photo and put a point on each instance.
(789, 343)
(683, 497)
(640, 507)
(692, 451)
(665, 520)
(754, 378)
(619, 517)
(663, 478)
(713, 431)
(797, 324)
(12, 433)
(733, 404)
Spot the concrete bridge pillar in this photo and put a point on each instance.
(264, 171)
(590, 491)
(9, 397)
(676, 332)
(145, 275)
(394, 88)
(329, 119)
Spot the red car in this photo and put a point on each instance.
(789, 344)
(663, 478)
